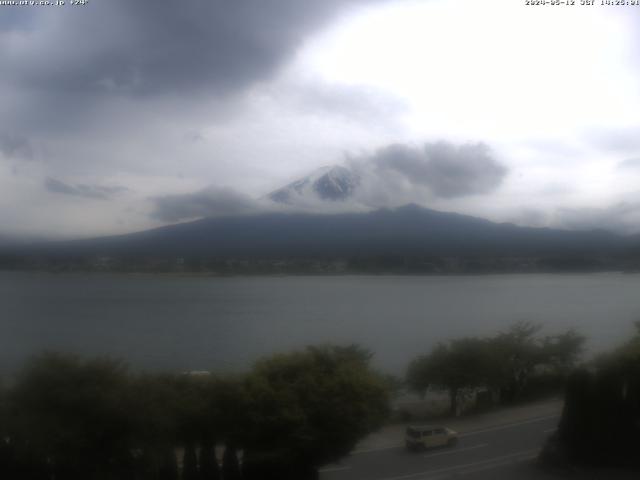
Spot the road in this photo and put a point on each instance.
(499, 451)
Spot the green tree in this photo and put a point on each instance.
(309, 408)
(155, 409)
(503, 363)
(456, 366)
(517, 353)
(72, 412)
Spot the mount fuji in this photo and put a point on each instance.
(331, 183)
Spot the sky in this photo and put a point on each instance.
(119, 116)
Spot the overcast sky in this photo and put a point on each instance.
(113, 113)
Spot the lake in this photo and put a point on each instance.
(209, 323)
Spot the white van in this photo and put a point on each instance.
(430, 437)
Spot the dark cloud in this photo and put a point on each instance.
(121, 72)
(87, 191)
(152, 47)
(15, 146)
(448, 170)
(210, 202)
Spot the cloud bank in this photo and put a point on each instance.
(99, 192)
(447, 170)
(210, 202)
(392, 176)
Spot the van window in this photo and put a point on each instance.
(413, 433)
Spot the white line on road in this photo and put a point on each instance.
(457, 450)
(530, 455)
(497, 461)
(377, 449)
(333, 469)
(508, 425)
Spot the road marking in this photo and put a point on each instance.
(377, 449)
(496, 461)
(508, 425)
(529, 455)
(333, 469)
(457, 450)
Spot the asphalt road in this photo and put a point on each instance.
(502, 451)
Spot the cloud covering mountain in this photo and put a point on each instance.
(202, 108)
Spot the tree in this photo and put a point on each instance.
(516, 352)
(419, 376)
(209, 468)
(230, 464)
(519, 354)
(155, 409)
(503, 363)
(599, 423)
(309, 408)
(561, 352)
(190, 463)
(456, 366)
(73, 413)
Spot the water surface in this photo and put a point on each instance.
(195, 323)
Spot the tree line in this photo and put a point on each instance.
(506, 365)
(66, 417)
(69, 418)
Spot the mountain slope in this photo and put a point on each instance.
(406, 231)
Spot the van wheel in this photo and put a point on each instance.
(453, 442)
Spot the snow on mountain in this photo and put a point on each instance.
(331, 183)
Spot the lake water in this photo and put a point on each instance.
(208, 323)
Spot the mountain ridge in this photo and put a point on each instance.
(408, 230)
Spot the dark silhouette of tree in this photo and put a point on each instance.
(209, 468)
(168, 465)
(190, 463)
(230, 464)
(74, 414)
(599, 423)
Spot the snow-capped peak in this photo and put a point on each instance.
(329, 183)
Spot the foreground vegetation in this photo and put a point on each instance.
(66, 418)
(600, 423)
(500, 369)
